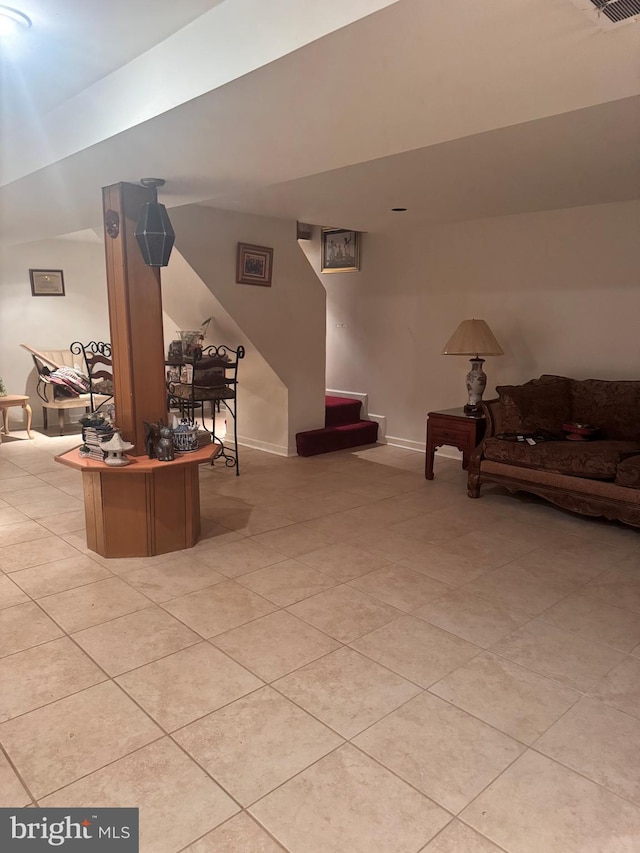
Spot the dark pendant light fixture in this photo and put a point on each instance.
(154, 232)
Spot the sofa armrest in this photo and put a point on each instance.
(493, 412)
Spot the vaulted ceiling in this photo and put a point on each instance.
(327, 112)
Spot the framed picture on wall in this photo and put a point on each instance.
(46, 282)
(340, 250)
(254, 265)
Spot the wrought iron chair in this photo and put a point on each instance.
(99, 370)
(90, 394)
(213, 379)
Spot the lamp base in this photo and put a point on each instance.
(476, 383)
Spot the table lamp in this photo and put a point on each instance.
(474, 338)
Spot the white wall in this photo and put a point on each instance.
(48, 322)
(282, 327)
(285, 322)
(262, 399)
(560, 290)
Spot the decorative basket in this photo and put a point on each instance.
(185, 437)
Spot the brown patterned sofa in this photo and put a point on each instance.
(598, 477)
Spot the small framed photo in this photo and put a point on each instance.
(46, 282)
(254, 265)
(340, 250)
(173, 374)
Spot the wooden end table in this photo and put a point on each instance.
(456, 428)
(9, 402)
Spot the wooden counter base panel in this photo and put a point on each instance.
(143, 509)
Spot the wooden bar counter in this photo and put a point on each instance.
(144, 508)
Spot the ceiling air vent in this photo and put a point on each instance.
(610, 14)
(618, 10)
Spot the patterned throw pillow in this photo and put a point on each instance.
(70, 379)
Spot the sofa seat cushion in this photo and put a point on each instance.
(628, 473)
(595, 460)
(542, 405)
(611, 405)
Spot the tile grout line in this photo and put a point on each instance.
(3, 752)
(229, 820)
(473, 828)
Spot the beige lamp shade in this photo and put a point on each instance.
(472, 337)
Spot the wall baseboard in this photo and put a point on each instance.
(254, 444)
(381, 420)
(406, 443)
(394, 441)
(420, 447)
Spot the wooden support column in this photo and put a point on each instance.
(147, 507)
(135, 316)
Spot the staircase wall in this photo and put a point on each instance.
(262, 397)
(284, 323)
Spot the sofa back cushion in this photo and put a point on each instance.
(550, 377)
(613, 406)
(536, 406)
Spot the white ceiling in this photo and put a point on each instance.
(556, 162)
(455, 111)
(73, 43)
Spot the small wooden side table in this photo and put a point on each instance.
(9, 402)
(456, 428)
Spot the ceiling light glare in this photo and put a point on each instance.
(12, 21)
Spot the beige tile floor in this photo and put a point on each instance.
(351, 660)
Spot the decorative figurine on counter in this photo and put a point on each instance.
(152, 437)
(164, 447)
(185, 436)
(115, 448)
